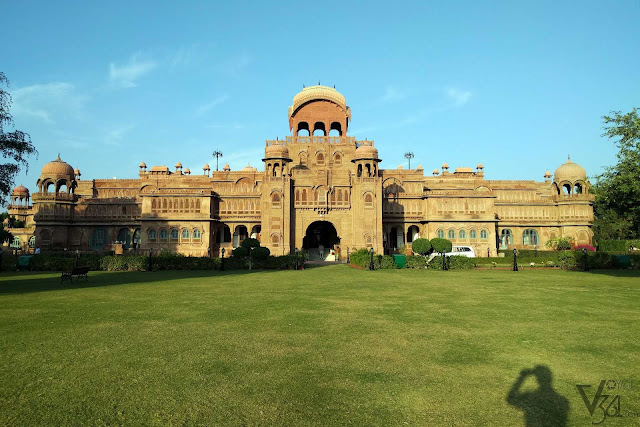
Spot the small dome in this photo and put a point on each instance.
(276, 151)
(226, 168)
(366, 152)
(57, 167)
(187, 171)
(480, 166)
(436, 172)
(570, 172)
(547, 174)
(419, 167)
(445, 166)
(249, 168)
(20, 191)
(143, 165)
(178, 165)
(400, 167)
(206, 167)
(76, 172)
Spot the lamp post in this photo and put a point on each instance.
(150, 266)
(348, 255)
(77, 257)
(444, 261)
(515, 260)
(250, 248)
(536, 251)
(296, 258)
(222, 260)
(586, 259)
(409, 155)
(371, 266)
(217, 154)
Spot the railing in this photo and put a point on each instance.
(314, 140)
(41, 196)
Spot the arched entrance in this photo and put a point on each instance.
(320, 233)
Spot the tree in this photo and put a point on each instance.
(617, 205)
(441, 245)
(421, 246)
(16, 146)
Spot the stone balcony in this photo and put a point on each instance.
(350, 140)
(52, 197)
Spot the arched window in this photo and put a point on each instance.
(276, 166)
(15, 243)
(413, 233)
(304, 194)
(98, 238)
(163, 234)
(303, 129)
(473, 235)
(275, 200)
(440, 234)
(275, 240)
(197, 234)
(32, 241)
(506, 238)
(530, 237)
(337, 159)
(452, 234)
(224, 236)
(335, 129)
(185, 234)
(152, 234)
(567, 189)
(577, 188)
(320, 159)
(319, 129)
(368, 200)
(359, 171)
(484, 235)
(462, 234)
(174, 234)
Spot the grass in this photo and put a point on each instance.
(325, 346)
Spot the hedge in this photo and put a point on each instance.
(455, 262)
(617, 245)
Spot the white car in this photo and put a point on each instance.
(462, 251)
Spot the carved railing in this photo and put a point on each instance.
(41, 196)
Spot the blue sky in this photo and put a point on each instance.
(516, 86)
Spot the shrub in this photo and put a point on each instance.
(416, 261)
(568, 260)
(250, 243)
(260, 253)
(383, 262)
(587, 247)
(240, 252)
(441, 245)
(124, 263)
(455, 262)
(361, 258)
(560, 244)
(421, 246)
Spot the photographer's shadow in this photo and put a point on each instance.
(543, 406)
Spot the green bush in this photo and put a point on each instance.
(240, 252)
(361, 258)
(455, 262)
(416, 261)
(560, 244)
(421, 246)
(383, 262)
(250, 243)
(124, 263)
(260, 253)
(617, 245)
(43, 262)
(441, 245)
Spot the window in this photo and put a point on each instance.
(452, 234)
(484, 235)
(530, 237)
(32, 242)
(185, 234)
(368, 200)
(320, 159)
(337, 159)
(197, 234)
(174, 234)
(275, 200)
(163, 234)
(15, 243)
(440, 234)
(275, 240)
(462, 234)
(152, 234)
(473, 235)
(98, 238)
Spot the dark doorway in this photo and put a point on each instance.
(320, 233)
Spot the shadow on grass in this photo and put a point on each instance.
(27, 282)
(543, 406)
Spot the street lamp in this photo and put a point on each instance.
(222, 261)
(586, 259)
(217, 154)
(409, 155)
(150, 266)
(515, 260)
(371, 266)
(348, 255)
(296, 259)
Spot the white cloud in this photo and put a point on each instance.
(127, 74)
(114, 135)
(391, 94)
(458, 96)
(44, 101)
(205, 108)
(185, 56)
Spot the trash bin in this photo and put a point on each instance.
(622, 261)
(400, 260)
(23, 262)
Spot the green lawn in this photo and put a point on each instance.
(325, 346)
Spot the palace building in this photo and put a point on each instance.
(318, 186)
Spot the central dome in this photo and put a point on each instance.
(317, 93)
(366, 151)
(276, 151)
(57, 167)
(570, 171)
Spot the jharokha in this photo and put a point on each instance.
(318, 186)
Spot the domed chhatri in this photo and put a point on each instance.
(570, 171)
(20, 191)
(276, 151)
(317, 93)
(366, 152)
(57, 168)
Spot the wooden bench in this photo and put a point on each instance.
(77, 271)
